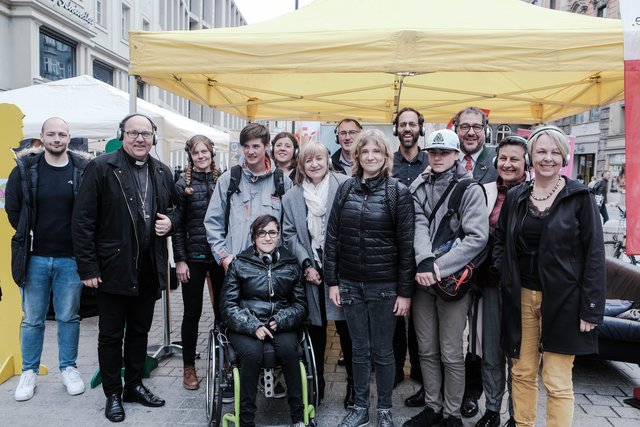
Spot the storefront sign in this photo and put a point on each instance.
(74, 9)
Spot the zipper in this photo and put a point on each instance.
(362, 257)
(135, 230)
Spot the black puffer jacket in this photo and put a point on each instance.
(255, 293)
(364, 243)
(190, 239)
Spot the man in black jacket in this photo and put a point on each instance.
(40, 195)
(124, 212)
(347, 132)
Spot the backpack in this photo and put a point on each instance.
(234, 187)
(391, 194)
(456, 285)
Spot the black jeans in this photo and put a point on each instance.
(404, 337)
(249, 351)
(368, 308)
(346, 346)
(192, 299)
(134, 312)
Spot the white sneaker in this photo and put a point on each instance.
(26, 386)
(72, 381)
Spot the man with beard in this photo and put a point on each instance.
(408, 163)
(347, 132)
(470, 124)
(40, 195)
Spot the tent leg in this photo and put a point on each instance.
(167, 348)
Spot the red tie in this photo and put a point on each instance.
(468, 165)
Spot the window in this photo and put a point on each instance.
(101, 13)
(103, 72)
(594, 115)
(581, 118)
(501, 132)
(141, 86)
(603, 11)
(125, 22)
(57, 56)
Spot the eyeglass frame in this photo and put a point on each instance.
(352, 133)
(272, 233)
(145, 134)
(476, 127)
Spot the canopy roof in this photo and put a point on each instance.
(94, 109)
(366, 58)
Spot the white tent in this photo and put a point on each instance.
(94, 109)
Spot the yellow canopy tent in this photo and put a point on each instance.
(363, 59)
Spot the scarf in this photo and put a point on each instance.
(315, 198)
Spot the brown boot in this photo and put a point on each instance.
(190, 380)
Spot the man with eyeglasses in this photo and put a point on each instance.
(40, 194)
(408, 163)
(125, 209)
(347, 132)
(470, 124)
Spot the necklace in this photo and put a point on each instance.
(549, 194)
(143, 200)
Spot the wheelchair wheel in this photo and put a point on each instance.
(310, 366)
(215, 374)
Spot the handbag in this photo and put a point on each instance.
(599, 199)
(456, 285)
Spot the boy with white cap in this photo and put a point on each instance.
(440, 324)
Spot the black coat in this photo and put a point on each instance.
(106, 240)
(364, 243)
(254, 293)
(190, 238)
(571, 270)
(20, 203)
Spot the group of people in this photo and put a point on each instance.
(302, 237)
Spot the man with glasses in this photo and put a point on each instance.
(40, 195)
(123, 214)
(470, 124)
(347, 133)
(408, 163)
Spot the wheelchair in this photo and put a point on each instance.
(223, 377)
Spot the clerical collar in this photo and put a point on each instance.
(135, 162)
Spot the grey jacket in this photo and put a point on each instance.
(427, 189)
(256, 197)
(296, 235)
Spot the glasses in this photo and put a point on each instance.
(271, 233)
(344, 133)
(133, 134)
(476, 128)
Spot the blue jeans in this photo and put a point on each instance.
(368, 308)
(44, 275)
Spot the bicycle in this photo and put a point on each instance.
(619, 250)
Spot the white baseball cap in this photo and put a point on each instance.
(443, 139)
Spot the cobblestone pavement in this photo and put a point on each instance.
(600, 388)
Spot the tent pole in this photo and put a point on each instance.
(133, 94)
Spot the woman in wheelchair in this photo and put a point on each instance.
(263, 300)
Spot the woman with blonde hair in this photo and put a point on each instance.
(549, 255)
(191, 251)
(370, 268)
(306, 212)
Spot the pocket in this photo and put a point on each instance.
(19, 257)
(346, 296)
(108, 252)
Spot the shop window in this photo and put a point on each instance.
(57, 56)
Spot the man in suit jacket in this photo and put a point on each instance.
(471, 126)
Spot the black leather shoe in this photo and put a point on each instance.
(350, 397)
(489, 419)
(510, 423)
(469, 408)
(113, 409)
(426, 418)
(416, 400)
(141, 394)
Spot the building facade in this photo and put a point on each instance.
(47, 40)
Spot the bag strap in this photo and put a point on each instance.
(234, 187)
(391, 190)
(452, 206)
(442, 199)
